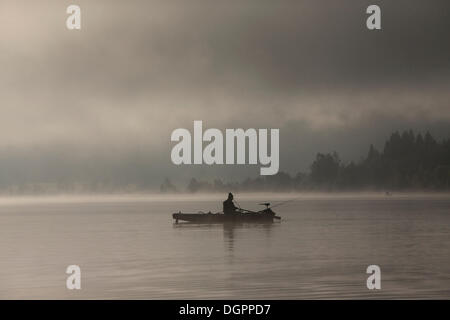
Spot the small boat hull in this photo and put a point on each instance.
(225, 218)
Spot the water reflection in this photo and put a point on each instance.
(262, 230)
(229, 230)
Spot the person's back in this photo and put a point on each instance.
(228, 205)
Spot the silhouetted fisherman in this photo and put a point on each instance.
(228, 205)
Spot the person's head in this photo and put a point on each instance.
(230, 196)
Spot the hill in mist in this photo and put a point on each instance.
(408, 161)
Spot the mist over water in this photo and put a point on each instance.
(128, 247)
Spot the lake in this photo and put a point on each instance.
(129, 248)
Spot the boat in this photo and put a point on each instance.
(241, 215)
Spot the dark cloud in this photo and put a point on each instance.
(139, 69)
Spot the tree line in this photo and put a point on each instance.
(408, 161)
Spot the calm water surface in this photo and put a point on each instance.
(129, 248)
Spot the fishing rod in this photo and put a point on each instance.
(283, 203)
(243, 209)
(279, 204)
(237, 204)
(268, 206)
(249, 211)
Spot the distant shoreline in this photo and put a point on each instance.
(244, 196)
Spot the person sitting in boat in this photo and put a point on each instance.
(228, 205)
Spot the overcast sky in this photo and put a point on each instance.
(102, 102)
